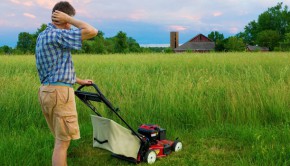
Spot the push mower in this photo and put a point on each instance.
(146, 145)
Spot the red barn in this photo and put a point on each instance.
(199, 43)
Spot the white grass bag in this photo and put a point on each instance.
(111, 136)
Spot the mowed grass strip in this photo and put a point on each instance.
(226, 108)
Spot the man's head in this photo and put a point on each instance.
(67, 8)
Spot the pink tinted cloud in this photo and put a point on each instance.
(15, 1)
(2, 23)
(29, 15)
(216, 14)
(138, 15)
(83, 12)
(47, 4)
(177, 28)
(191, 17)
(234, 30)
(24, 3)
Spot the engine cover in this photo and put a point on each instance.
(152, 132)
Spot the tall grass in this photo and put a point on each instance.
(228, 108)
(198, 89)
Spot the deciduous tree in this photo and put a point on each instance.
(218, 38)
(235, 44)
(24, 43)
(268, 38)
(121, 45)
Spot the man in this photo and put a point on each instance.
(57, 75)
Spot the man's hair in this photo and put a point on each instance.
(65, 7)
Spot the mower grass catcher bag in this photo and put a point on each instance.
(111, 136)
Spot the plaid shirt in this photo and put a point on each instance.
(53, 56)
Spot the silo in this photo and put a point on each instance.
(174, 40)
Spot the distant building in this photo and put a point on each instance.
(256, 48)
(174, 40)
(199, 43)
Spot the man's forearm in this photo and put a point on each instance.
(79, 24)
(88, 31)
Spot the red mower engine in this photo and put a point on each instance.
(158, 145)
(152, 132)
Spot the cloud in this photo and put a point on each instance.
(177, 28)
(86, 1)
(216, 14)
(234, 30)
(10, 14)
(15, 1)
(29, 15)
(47, 4)
(2, 22)
(138, 15)
(29, 3)
(191, 17)
(24, 3)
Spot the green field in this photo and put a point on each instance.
(226, 108)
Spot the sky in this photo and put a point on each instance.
(147, 21)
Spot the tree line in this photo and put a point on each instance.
(270, 30)
(97, 45)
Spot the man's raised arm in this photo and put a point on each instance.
(87, 30)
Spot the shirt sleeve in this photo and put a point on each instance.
(71, 39)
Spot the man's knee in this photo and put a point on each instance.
(59, 144)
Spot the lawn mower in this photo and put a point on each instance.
(146, 145)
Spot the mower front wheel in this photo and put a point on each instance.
(150, 156)
(177, 146)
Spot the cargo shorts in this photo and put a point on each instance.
(59, 109)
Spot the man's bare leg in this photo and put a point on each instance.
(59, 157)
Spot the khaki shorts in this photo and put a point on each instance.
(59, 109)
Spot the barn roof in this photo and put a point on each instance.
(206, 46)
(257, 48)
(197, 43)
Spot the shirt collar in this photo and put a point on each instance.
(50, 25)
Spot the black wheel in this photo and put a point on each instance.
(150, 156)
(177, 146)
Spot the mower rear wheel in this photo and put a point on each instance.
(177, 146)
(150, 156)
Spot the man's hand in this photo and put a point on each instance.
(59, 17)
(84, 82)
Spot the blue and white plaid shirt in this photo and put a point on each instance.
(53, 54)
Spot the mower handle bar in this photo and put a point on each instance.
(102, 97)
